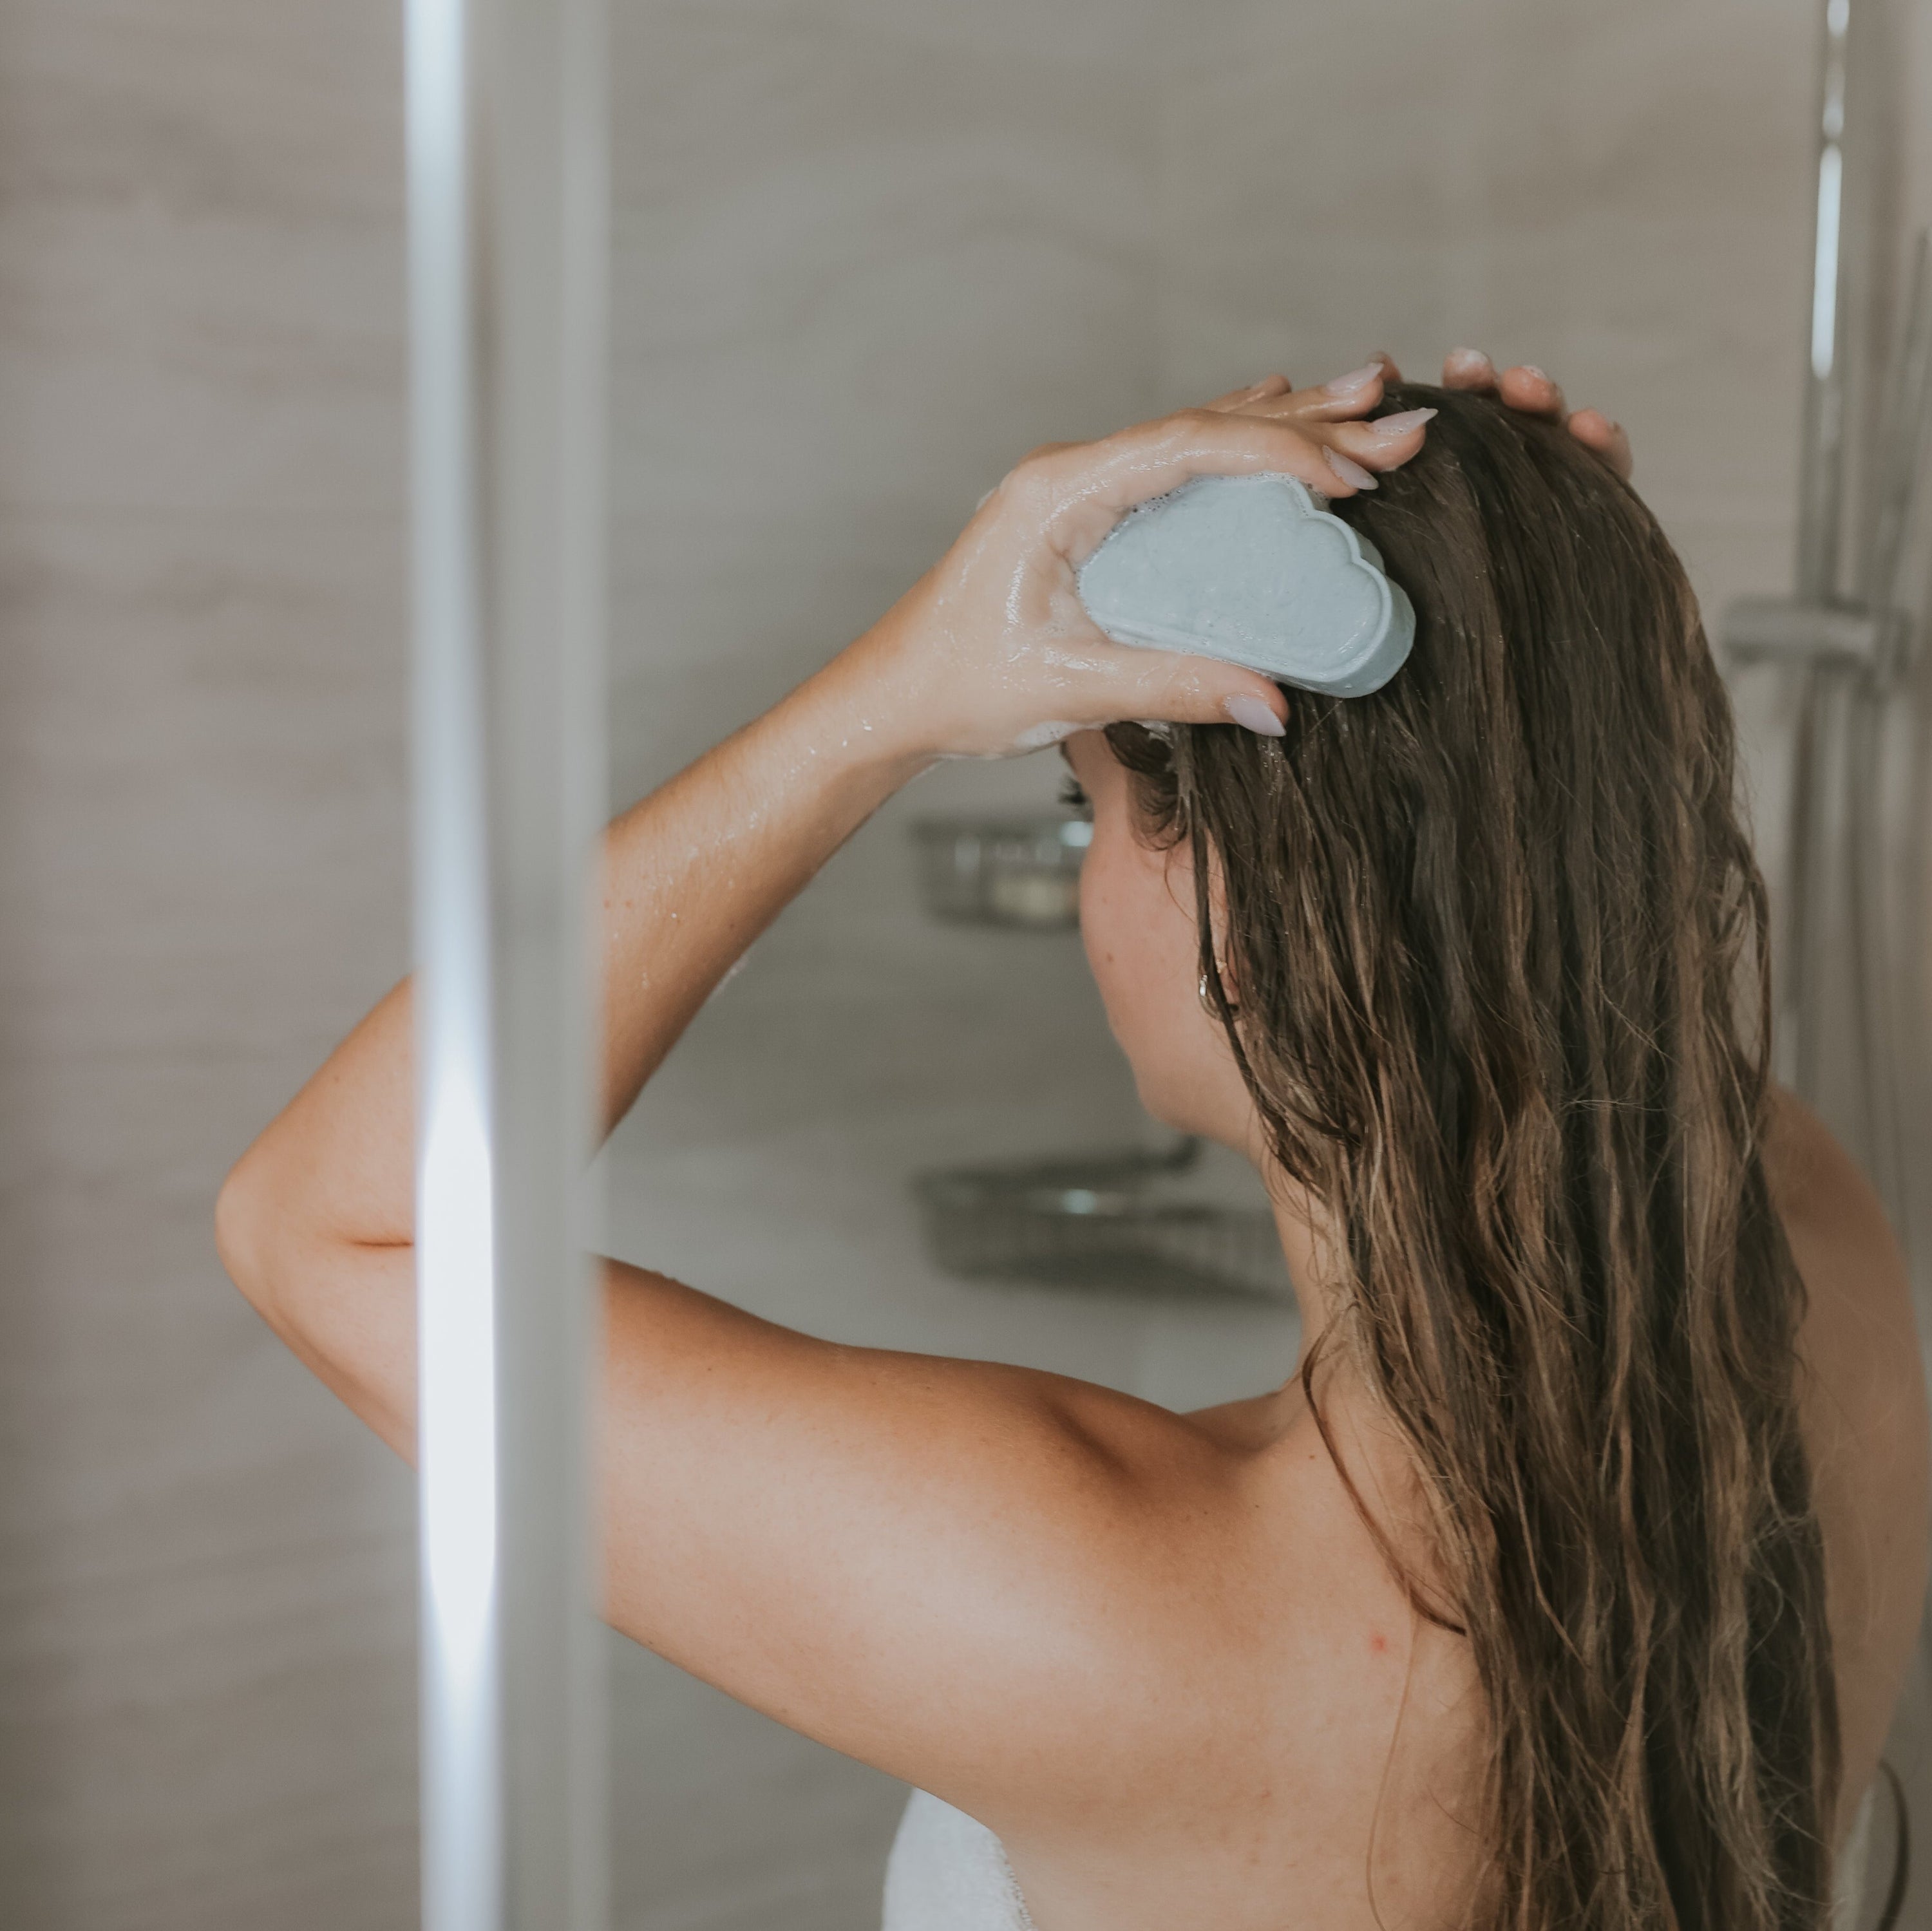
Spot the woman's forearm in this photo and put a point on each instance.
(990, 652)
(690, 876)
(693, 873)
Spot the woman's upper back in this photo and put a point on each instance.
(1297, 1735)
(1311, 1727)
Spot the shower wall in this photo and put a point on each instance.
(868, 251)
(1617, 194)
(206, 1600)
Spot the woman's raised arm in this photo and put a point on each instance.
(989, 654)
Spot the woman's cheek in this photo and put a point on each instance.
(1137, 940)
(1096, 923)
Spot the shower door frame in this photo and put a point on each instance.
(508, 157)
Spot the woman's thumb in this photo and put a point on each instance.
(1204, 691)
(1257, 714)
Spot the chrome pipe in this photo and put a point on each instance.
(1821, 487)
(1899, 474)
(1820, 519)
(508, 250)
(1807, 868)
(1901, 468)
(1870, 934)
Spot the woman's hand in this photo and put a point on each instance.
(1527, 388)
(991, 653)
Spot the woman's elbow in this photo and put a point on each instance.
(301, 1276)
(250, 1225)
(344, 1308)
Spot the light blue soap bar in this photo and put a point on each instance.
(1252, 570)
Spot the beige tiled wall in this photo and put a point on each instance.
(867, 253)
(205, 1594)
(1616, 193)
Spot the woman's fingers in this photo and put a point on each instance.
(1333, 416)
(1468, 369)
(1353, 395)
(1523, 386)
(1386, 443)
(1527, 388)
(1596, 431)
(1268, 386)
(1340, 398)
(1079, 493)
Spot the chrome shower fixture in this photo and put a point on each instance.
(1851, 651)
(1021, 872)
(1122, 1223)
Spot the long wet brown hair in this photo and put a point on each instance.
(1493, 962)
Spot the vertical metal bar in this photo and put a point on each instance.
(1821, 486)
(461, 1722)
(1819, 892)
(508, 240)
(1796, 1036)
(1899, 477)
(1868, 930)
(1900, 470)
(1820, 519)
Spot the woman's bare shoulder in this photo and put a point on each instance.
(1864, 1417)
(1860, 1320)
(1817, 1185)
(961, 1571)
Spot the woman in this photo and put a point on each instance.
(1570, 1581)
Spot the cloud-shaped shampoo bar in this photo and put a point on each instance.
(1251, 570)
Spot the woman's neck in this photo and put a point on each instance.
(1310, 1246)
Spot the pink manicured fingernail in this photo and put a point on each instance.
(1354, 382)
(1350, 472)
(1471, 359)
(1252, 714)
(1531, 369)
(1388, 427)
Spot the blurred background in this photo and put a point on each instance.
(867, 253)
